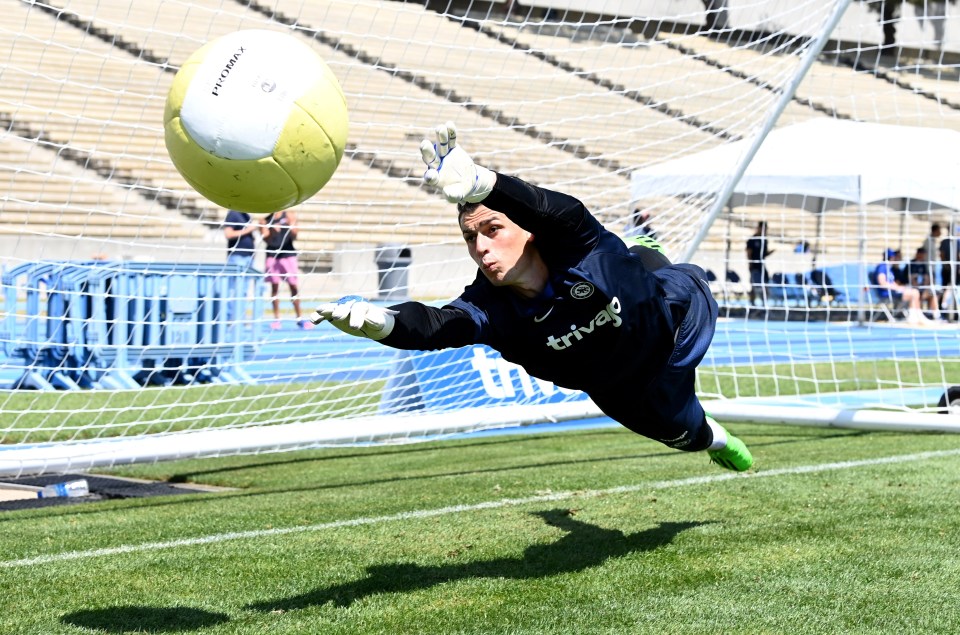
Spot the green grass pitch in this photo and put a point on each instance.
(594, 531)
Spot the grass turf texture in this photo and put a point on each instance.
(867, 548)
(35, 417)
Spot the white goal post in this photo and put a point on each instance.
(124, 337)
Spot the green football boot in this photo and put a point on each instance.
(645, 241)
(733, 456)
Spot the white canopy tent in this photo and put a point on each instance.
(822, 164)
(831, 159)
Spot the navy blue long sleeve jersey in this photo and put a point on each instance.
(603, 323)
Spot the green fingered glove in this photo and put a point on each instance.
(451, 170)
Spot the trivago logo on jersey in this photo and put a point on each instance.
(610, 314)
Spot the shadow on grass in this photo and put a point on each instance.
(375, 454)
(803, 435)
(584, 546)
(144, 619)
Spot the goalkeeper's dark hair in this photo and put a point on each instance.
(463, 208)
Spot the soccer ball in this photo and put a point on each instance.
(255, 121)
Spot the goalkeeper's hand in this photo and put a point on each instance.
(451, 170)
(355, 316)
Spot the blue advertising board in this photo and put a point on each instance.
(467, 377)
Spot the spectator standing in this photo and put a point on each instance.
(935, 12)
(640, 224)
(716, 16)
(889, 13)
(950, 271)
(757, 252)
(921, 278)
(241, 244)
(932, 246)
(279, 230)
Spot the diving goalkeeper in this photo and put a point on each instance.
(568, 301)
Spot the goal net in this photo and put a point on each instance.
(126, 337)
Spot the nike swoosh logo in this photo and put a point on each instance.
(543, 317)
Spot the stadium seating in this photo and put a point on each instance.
(50, 199)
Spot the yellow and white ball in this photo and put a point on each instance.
(255, 121)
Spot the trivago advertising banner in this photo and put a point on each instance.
(464, 378)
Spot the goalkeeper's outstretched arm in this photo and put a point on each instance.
(558, 220)
(410, 325)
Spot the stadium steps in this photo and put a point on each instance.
(89, 125)
(559, 146)
(343, 32)
(49, 195)
(835, 89)
(913, 74)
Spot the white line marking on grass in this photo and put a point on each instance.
(456, 509)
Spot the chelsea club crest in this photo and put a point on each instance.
(581, 291)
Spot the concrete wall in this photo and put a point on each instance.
(858, 23)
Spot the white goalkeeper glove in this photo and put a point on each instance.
(451, 170)
(355, 316)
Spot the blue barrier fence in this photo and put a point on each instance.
(836, 285)
(104, 324)
(846, 283)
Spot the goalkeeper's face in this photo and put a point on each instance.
(503, 250)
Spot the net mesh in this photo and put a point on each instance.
(121, 321)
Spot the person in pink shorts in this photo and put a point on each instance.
(279, 230)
